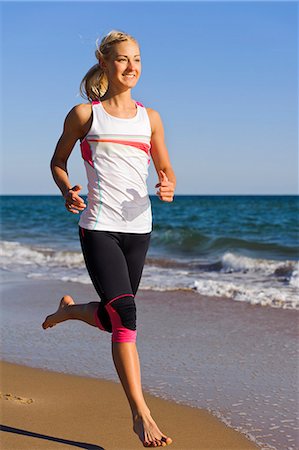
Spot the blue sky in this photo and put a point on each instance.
(223, 76)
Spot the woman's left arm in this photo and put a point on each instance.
(160, 156)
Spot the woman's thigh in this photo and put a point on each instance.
(106, 263)
(135, 247)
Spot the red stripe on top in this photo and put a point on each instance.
(140, 145)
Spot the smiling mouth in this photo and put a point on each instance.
(128, 75)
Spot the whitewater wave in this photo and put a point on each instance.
(240, 278)
(266, 296)
(236, 263)
(15, 254)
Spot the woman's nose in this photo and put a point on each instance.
(131, 64)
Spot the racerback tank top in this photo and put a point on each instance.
(116, 155)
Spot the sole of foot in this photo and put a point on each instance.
(55, 318)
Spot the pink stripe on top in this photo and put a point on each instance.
(141, 145)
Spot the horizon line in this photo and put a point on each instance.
(154, 195)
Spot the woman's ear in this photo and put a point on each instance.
(102, 64)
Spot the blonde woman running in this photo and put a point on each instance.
(118, 135)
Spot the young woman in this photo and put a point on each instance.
(117, 135)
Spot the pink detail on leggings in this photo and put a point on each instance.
(119, 332)
(97, 320)
(119, 296)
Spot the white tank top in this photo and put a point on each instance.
(116, 155)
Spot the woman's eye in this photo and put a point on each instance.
(124, 59)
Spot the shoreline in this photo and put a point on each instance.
(40, 407)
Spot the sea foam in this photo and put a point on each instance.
(240, 278)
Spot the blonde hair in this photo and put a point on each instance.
(95, 82)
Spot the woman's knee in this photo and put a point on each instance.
(122, 313)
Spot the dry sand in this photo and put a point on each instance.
(48, 410)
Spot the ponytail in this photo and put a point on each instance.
(94, 84)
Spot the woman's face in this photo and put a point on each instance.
(123, 67)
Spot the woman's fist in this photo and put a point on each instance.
(166, 188)
(73, 202)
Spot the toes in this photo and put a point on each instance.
(166, 440)
(47, 325)
(151, 444)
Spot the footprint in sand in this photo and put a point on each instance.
(22, 400)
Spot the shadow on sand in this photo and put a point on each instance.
(50, 438)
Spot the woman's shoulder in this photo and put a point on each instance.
(154, 117)
(152, 113)
(80, 114)
(83, 110)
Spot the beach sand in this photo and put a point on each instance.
(48, 410)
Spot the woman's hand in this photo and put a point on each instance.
(73, 202)
(160, 157)
(166, 188)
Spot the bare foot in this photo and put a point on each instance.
(59, 315)
(148, 432)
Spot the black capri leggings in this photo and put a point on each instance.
(115, 263)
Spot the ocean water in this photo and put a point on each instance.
(245, 248)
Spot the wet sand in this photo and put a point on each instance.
(48, 410)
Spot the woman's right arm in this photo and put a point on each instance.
(76, 125)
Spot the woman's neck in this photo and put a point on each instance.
(118, 100)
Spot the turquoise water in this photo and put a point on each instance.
(243, 247)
